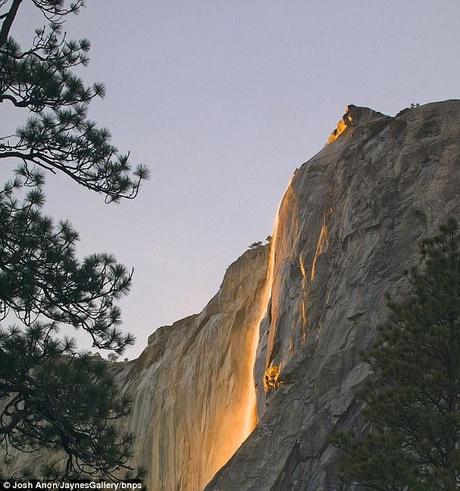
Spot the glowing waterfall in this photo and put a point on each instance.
(250, 418)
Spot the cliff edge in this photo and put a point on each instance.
(350, 222)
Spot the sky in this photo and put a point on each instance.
(223, 100)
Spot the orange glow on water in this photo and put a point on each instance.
(236, 423)
(322, 243)
(251, 418)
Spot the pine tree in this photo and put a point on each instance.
(51, 395)
(59, 399)
(412, 441)
(58, 137)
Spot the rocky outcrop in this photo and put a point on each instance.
(353, 116)
(348, 225)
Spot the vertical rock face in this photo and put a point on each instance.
(349, 224)
(297, 318)
(193, 388)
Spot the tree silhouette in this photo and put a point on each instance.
(58, 136)
(50, 394)
(412, 440)
(59, 399)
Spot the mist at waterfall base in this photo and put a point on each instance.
(223, 100)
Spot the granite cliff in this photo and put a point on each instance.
(244, 395)
(193, 386)
(348, 225)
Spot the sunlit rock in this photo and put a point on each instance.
(348, 226)
(278, 347)
(354, 116)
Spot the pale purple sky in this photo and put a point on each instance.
(223, 100)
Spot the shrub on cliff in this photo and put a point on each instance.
(412, 440)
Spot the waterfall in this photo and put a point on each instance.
(250, 418)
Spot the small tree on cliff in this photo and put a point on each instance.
(412, 440)
(49, 393)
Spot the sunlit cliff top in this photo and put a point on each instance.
(354, 115)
